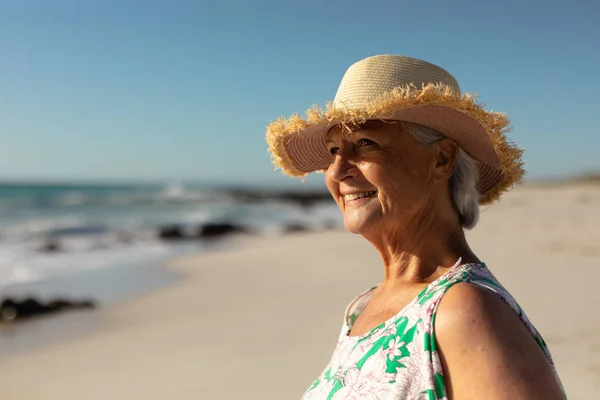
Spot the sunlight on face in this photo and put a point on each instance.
(379, 175)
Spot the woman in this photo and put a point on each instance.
(409, 159)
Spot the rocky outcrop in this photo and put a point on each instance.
(209, 230)
(12, 309)
(214, 230)
(171, 232)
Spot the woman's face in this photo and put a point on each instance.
(380, 176)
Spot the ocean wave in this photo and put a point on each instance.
(75, 229)
(18, 267)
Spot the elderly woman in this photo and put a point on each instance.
(409, 159)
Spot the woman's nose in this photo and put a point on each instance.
(343, 167)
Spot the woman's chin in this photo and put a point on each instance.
(352, 229)
(357, 226)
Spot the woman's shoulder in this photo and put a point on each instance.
(479, 334)
(468, 302)
(473, 299)
(467, 310)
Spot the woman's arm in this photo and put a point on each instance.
(486, 350)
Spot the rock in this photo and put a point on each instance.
(213, 230)
(12, 309)
(8, 310)
(172, 232)
(206, 231)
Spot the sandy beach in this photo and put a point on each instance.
(260, 321)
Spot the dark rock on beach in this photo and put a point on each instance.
(172, 232)
(12, 309)
(213, 230)
(209, 230)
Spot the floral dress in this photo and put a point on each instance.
(398, 359)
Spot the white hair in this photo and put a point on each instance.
(463, 180)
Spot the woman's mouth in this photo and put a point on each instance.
(354, 198)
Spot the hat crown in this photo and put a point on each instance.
(375, 76)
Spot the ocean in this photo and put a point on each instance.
(61, 231)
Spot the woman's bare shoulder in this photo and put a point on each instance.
(487, 351)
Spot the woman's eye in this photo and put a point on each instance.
(365, 142)
(333, 150)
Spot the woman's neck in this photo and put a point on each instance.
(421, 255)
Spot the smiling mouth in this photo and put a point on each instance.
(358, 196)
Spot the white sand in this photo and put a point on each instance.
(260, 322)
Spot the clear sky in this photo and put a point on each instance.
(168, 90)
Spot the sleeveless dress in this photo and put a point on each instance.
(398, 359)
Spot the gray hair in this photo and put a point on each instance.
(463, 180)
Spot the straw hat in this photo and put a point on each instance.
(392, 87)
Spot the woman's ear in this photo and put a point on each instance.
(445, 154)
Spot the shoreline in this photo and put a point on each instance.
(109, 288)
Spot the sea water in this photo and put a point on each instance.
(49, 231)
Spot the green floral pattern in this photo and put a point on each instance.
(398, 359)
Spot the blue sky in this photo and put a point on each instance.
(182, 90)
